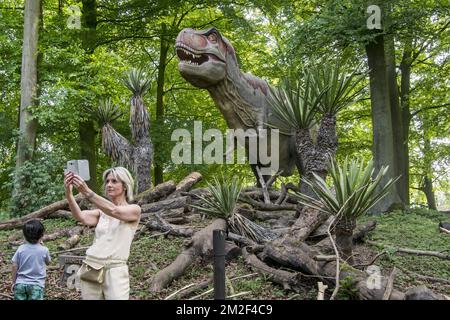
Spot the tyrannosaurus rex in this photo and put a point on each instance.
(208, 61)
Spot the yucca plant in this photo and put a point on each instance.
(138, 83)
(355, 192)
(295, 104)
(106, 112)
(114, 144)
(222, 203)
(336, 88)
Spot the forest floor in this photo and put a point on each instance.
(416, 229)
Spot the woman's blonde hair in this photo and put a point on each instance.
(124, 176)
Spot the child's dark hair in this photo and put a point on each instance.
(33, 230)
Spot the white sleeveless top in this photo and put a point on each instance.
(113, 238)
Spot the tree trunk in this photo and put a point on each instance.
(401, 165)
(344, 239)
(427, 182)
(86, 128)
(143, 149)
(383, 148)
(164, 48)
(429, 193)
(405, 86)
(28, 86)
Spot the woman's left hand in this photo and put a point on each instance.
(80, 184)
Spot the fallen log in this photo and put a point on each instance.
(38, 214)
(73, 240)
(288, 280)
(359, 233)
(48, 237)
(413, 251)
(422, 293)
(267, 206)
(169, 213)
(186, 184)
(306, 223)
(156, 193)
(180, 202)
(275, 195)
(265, 215)
(160, 224)
(199, 246)
(58, 214)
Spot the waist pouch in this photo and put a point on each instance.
(94, 271)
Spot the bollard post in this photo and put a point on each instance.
(219, 264)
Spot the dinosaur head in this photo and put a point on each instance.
(202, 55)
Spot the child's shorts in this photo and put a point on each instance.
(28, 292)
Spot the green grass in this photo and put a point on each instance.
(417, 229)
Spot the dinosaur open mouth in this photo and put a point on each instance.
(189, 56)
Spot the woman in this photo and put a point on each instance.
(104, 273)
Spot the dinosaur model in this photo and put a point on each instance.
(208, 61)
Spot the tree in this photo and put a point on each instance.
(325, 90)
(137, 154)
(355, 192)
(86, 128)
(28, 85)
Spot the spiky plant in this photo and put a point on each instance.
(339, 88)
(222, 203)
(295, 104)
(137, 81)
(106, 112)
(114, 144)
(355, 192)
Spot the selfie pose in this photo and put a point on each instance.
(104, 273)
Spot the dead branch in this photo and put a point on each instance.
(288, 280)
(266, 206)
(263, 186)
(199, 246)
(38, 214)
(156, 193)
(283, 194)
(174, 203)
(390, 285)
(160, 224)
(412, 251)
(186, 184)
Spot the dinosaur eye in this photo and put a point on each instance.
(212, 37)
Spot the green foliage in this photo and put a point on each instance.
(347, 289)
(223, 197)
(339, 87)
(42, 184)
(295, 104)
(416, 229)
(106, 113)
(355, 191)
(222, 201)
(137, 81)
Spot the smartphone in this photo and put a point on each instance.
(78, 167)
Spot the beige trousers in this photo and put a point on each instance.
(116, 285)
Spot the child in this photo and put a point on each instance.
(28, 264)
